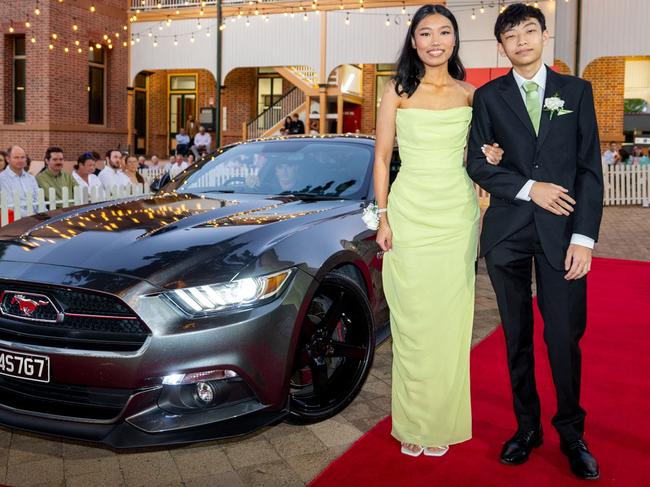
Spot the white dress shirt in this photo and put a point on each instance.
(524, 192)
(11, 182)
(176, 169)
(93, 181)
(203, 139)
(110, 177)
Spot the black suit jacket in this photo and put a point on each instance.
(566, 152)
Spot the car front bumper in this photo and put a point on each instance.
(257, 344)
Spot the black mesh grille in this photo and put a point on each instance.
(63, 400)
(76, 318)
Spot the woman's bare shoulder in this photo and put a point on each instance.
(468, 88)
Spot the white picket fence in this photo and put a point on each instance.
(624, 185)
(627, 185)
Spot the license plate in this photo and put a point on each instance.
(24, 366)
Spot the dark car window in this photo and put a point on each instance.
(395, 163)
(319, 167)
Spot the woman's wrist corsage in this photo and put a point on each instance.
(371, 215)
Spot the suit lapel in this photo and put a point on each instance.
(553, 83)
(509, 91)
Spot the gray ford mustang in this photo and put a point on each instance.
(245, 292)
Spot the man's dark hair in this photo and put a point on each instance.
(50, 150)
(514, 15)
(110, 151)
(295, 115)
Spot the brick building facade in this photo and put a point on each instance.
(56, 87)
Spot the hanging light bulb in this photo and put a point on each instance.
(192, 38)
(125, 44)
(482, 10)
(76, 42)
(169, 21)
(207, 32)
(117, 35)
(50, 47)
(175, 41)
(257, 12)
(37, 10)
(33, 40)
(222, 27)
(92, 8)
(155, 42)
(403, 8)
(177, 12)
(105, 36)
(408, 20)
(387, 21)
(160, 26)
(66, 50)
(473, 15)
(201, 12)
(79, 50)
(124, 27)
(347, 19)
(150, 34)
(248, 22)
(341, 6)
(28, 24)
(11, 27)
(75, 27)
(137, 38)
(305, 18)
(198, 24)
(98, 46)
(266, 18)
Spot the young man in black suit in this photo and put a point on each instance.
(545, 207)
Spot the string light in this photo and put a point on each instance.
(11, 27)
(482, 10)
(175, 41)
(155, 42)
(92, 8)
(347, 18)
(473, 15)
(37, 10)
(387, 21)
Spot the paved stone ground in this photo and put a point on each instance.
(282, 455)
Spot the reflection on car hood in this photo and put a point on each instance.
(155, 238)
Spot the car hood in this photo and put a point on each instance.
(170, 240)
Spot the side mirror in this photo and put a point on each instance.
(157, 184)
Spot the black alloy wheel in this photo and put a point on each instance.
(334, 352)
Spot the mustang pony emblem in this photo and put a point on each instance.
(27, 306)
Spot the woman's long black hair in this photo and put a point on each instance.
(410, 68)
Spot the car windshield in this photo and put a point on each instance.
(302, 167)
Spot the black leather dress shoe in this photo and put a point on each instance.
(517, 449)
(582, 462)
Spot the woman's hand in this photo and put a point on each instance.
(493, 153)
(384, 235)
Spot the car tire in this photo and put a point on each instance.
(334, 351)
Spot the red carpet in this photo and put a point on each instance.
(616, 395)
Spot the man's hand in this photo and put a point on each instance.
(553, 198)
(577, 262)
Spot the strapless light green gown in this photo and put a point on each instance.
(429, 277)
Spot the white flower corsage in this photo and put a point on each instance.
(371, 215)
(555, 106)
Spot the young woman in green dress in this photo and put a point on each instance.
(428, 231)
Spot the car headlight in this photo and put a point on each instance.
(241, 292)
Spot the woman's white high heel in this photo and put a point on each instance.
(438, 452)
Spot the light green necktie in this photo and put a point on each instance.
(533, 105)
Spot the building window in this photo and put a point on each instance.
(96, 85)
(19, 79)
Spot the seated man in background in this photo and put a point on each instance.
(202, 142)
(55, 177)
(15, 179)
(182, 142)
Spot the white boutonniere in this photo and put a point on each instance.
(371, 216)
(555, 106)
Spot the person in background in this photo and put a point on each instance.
(99, 162)
(623, 156)
(53, 176)
(178, 166)
(297, 125)
(637, 153)
(190, 159)
(182, 142)
(610, 155)
(202, 142)
(112, 175)
(131, 171)
(15, 179)
(3, 160)
(644, 160)
(287, 125)
(84, 172)
(191, 126)
(142, 162)
(313, 128)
